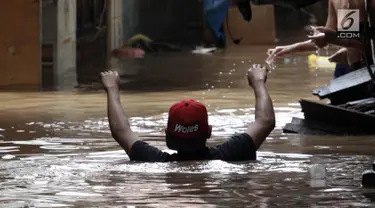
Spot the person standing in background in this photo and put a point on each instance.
(348, 58)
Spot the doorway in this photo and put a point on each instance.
(91, 40)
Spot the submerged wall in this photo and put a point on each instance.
(20, 50)
(164, 20)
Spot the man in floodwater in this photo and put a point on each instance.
(188, 128)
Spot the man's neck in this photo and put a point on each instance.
(193, 154)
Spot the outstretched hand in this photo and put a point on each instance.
(257, 74)
(276, 52)
(110, 79)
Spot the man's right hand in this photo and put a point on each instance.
(279, 52)
(257, 74)
(110, 80)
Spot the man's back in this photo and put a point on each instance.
(238, 148)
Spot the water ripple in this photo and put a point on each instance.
(225, 122)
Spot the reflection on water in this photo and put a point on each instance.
(56, 149)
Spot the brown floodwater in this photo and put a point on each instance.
(56, 149)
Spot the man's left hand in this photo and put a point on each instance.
(110, 80)
(320, 36)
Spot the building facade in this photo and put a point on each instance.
(51, 44)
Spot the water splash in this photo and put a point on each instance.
(210, 87)
(204, 94)
(327, 50)
(318, 175)
(271, 63)
(317, 52)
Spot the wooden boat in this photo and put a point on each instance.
(351, 110)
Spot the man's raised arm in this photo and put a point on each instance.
(264, 113)
(118, 122)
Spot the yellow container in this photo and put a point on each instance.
(315, 62)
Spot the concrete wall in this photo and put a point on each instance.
(66, 76)
(115, 30)
(20, 50)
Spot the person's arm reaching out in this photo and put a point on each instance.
(281, 51)
(308, 45)
(118, 122)
(264, 112)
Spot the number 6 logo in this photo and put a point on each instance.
(347, 18)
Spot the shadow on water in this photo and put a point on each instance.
(56, 149)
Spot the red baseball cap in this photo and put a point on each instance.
(188, 119)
